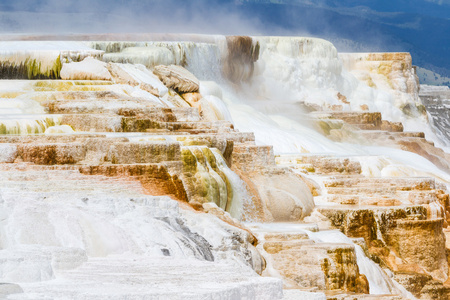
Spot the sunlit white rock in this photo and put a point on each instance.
(59, 129)
(88, 69)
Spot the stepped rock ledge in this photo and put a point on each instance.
(210, 167)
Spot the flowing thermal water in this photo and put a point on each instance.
(293, 71)
(290, 72)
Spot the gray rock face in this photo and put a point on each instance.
(437, 103)
(177, 78)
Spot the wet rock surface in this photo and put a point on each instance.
(136, 185)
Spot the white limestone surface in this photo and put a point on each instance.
(88, 69)
(146, 278)
(65, 235)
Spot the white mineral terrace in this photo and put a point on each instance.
(125, 177)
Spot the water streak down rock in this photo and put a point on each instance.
(242, 52)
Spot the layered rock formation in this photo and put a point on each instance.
(155, 160)
(436, 101)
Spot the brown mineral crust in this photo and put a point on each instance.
(391, 126)
(155, 179)
(51, 154)
(407, 245)
(413, 282)
(364, 107)
(342, 98)
(433, 154)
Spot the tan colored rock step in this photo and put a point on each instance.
(389, 191)
(285, 236)
(376, 134)
(380, 197)
(275, 242)
(249, 158)
(116, 123)
(422, 286)
(384, 199)
(218, 126)
(364, 221)
(413, 142)
(156, 179)
(60, 95)
(110, 102)
(426, 149)
(372, 119)
(116, 148)
(161, 114)
(273, 247)
(211, 140)
(305, 264)
(91, 106)
(153, 179)
(115, 152)
(400, 183)
(367, 190)
(82, 137)
(68, 87)
(397, 137)
(359, 200)
(121, 106)
(369, 121)
(64, 182)
(320, 164)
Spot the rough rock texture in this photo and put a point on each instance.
(307, 264)
(436, 101)
(178, 78)
(100, 209)
(422, 286)
(401, 242)
(137, 75)
(60, 175)
(374, 129)
(394, 69)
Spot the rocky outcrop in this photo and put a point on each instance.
(282, 195)
(380, 70)
(374, 129)
(436, 101)
(400, 241)
(88, 69)
(146, 167)
(127, 174)
(177, 78)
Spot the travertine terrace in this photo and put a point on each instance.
(217, 168)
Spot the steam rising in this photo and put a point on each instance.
(100, 16)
